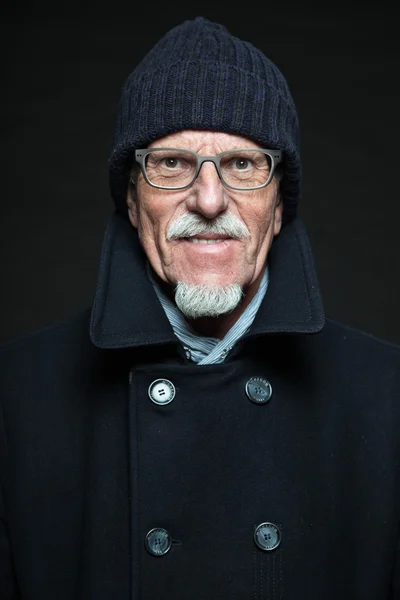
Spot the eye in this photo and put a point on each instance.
(170, 162)
(242, 163)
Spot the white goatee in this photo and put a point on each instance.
(196, 301)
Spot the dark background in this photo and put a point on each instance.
(62, 77)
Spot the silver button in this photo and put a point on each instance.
(158, 541)
(161, 391)
(267, 536)
(258, 390)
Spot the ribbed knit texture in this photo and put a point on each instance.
(199, 76)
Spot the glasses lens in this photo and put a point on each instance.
(246, 169)
(170, 168)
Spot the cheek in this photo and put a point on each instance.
(150, 213)
(155, 213)
(259, 221)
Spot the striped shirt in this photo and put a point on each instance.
(209, 350)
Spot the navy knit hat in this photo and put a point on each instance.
(199, 76)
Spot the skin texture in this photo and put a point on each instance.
(151, 211)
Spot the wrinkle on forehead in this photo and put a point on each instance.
(206, 142)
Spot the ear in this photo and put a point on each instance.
(132, 204)
(278, 214)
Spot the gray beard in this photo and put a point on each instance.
(196, 301)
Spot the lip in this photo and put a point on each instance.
(214, 248)
(206, 241)
(211, 236)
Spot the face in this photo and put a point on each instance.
(226, 261)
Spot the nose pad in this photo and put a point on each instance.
(199, 174)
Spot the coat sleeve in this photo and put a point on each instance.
(8, 584)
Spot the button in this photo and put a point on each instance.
(226, 351)
(267, 536)
(158, 541)
(259, 390)
(161, 391)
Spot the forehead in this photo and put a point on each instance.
(194, 139)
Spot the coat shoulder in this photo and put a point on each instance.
(356, 338)
(359, 335)
(45, 345)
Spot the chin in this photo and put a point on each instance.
(207, 300)
(208, 280)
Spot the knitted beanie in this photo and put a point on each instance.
(199, 76)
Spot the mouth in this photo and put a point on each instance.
(207, 239)
(203, 247)
(194, 240)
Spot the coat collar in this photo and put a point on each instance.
(127, 313)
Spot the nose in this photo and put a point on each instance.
(207, 195)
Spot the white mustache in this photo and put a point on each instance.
(190, 225)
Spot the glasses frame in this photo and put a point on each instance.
(275, 155)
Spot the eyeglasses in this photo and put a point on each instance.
(177, 168)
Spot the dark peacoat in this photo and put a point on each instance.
(108, 494)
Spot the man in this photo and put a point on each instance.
(202, 431)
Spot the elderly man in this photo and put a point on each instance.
(202, 431)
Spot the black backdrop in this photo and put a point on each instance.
(62, 77)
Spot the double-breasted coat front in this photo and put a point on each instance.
(271, 476)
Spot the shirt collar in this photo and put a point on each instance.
(127, 313)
